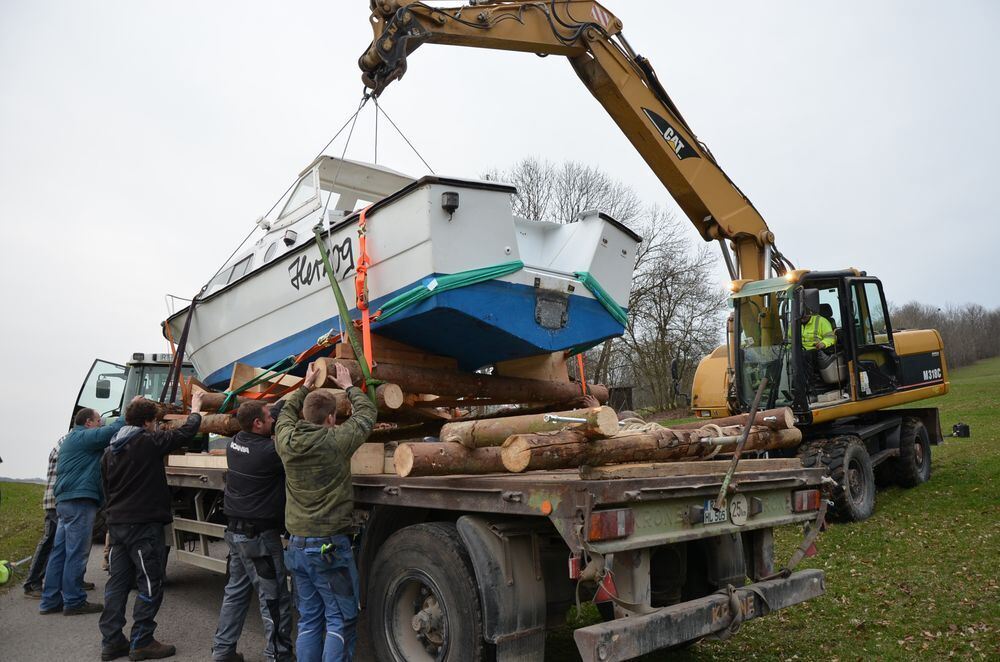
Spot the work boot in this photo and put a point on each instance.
(154, 650)
(35, 593)
(87, 586)
(230, 657)
(51, 610)
(115, 652)
(85, 608)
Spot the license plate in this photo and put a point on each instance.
(713, 515)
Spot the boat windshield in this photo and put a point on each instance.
(765, 344)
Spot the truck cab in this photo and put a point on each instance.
(109, 385)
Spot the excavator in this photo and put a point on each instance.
(844, 393)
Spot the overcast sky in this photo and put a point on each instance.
(139, 141)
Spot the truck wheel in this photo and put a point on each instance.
(423, 597)
(913, 466)
(847, 462)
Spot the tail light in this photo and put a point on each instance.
(611, 524)
(805, 500)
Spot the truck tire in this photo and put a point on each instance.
(913, 466)
(423, 598)
(847, 462)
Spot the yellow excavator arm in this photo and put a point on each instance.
(624, 83)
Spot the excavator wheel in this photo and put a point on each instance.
(913, 466)
(846, 460)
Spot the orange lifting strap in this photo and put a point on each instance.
(361, 288)
(583, 376)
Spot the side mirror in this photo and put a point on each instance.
(103, 390)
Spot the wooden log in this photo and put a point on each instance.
(212, 401)
(567, 449)
(442, 459)
(780, 418)
(224, 424)
(693, 468)
(464, 384)
(601, 422)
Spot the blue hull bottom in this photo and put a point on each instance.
(478, 325)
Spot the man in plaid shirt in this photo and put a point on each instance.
(33, 584)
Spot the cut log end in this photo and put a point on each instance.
(403, 459)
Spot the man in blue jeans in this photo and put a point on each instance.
(78, 497)
(317, 454)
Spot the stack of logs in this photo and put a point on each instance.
(426, 396)
(529, 443)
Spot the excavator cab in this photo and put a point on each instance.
(858, 361)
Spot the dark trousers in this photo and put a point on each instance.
(135, 558)
(256, 564)
(41, 556)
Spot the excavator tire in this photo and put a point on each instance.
(913, 466)
(847, 462)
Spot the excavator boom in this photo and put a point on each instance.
(624, 83)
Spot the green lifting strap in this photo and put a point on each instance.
(443, 284)
(345, 316)
(602, 296)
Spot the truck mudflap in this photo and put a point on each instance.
(717, 614)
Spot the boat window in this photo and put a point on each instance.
(241, 267)
(271, 250)
(304, 191)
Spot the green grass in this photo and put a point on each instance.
(21, 518)
(919, 579)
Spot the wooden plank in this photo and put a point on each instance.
(699, 468)
(197, 461)
(383, 354)
(550, 368)
(242, 373)
(368, 459)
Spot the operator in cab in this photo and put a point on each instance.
(316, 452)
(817, 334)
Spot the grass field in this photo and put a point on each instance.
(919, 580)
(21, 517)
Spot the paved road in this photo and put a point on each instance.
(187, 619)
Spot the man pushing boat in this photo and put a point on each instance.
(317, 454)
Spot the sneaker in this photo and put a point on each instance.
(85, 608)
(154, 650)
(87, 586)
(121, 650)
(51, 610)
(35, 593)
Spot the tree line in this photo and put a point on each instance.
(970, 332)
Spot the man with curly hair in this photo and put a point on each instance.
(138, 507)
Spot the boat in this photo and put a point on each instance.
(453, 271)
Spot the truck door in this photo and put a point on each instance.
(876, 364)
(102, 389)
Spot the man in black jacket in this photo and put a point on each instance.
(255, 506)
(138, 506)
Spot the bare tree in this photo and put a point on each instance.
(675, 312)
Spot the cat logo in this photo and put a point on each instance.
(680, 147)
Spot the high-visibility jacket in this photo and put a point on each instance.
(817, 329)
